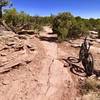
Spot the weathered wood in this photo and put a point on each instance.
(5, 25)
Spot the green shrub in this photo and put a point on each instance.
(67, 26)
(62, 34)
(61, 24)
(18, 19)
(77, 30)
(37, 28)
(14, 18)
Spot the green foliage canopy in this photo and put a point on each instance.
(2, 4)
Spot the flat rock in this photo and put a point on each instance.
(5, 82)
(7, 33)
(97, 40)
(9, 66)
(75, 45)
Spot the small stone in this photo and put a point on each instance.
(5, 82)
(81, 78)
(98, 78)
(92, 76)
(3, 54)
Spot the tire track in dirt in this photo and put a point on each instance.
(49, 76)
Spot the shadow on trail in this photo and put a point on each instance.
(49, 39)
(97, 73)
(51, 33)
(75, 69)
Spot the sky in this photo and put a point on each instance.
(83, 8)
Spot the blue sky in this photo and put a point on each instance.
(83, 8)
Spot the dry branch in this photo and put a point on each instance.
(5, 25)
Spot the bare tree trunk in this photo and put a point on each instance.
(0, 12)
(6, 26)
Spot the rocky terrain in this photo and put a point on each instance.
(33, 68)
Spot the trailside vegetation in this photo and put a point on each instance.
(65, 25)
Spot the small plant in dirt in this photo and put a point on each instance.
(90, 85)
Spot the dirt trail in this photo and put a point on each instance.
(45, 78)
(56, 82)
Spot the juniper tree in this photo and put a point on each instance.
(2, 4)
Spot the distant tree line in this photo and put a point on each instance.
(65, 25)
(16, 19)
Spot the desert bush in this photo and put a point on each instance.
(61, 24)
(37, 28)
(77, 30)
(66, 25)
(19, 19)
(90, 85)
(15, 18)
